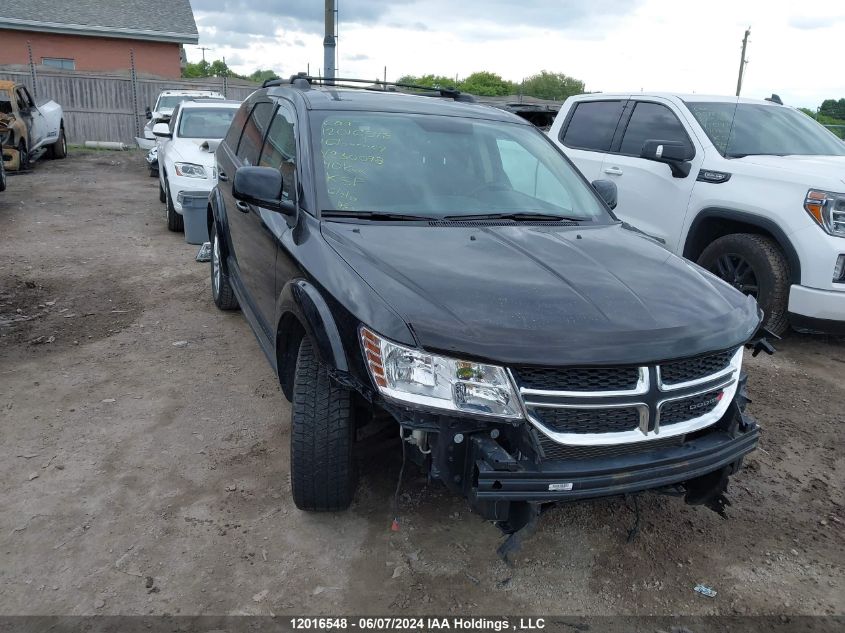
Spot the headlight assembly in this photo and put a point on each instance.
(417, 377)
(190, 170)
(827, 209)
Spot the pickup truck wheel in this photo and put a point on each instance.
(322, 432)
(59, 148)
(2, 175)
(23, 160)
(221, 290)
(162, 197)
(174, 220)
(755, 265)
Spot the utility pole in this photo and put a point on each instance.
(742, 61)
(203, 49)
(329, 43)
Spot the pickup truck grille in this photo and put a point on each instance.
(554, 451)
(578, 378)
(603, 406)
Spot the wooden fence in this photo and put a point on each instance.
(110, 107)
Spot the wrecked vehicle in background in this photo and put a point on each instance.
(440, 271)
(166, 102)
(27, 128)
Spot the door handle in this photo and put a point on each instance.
(221, 176)
(613, 171)
(242, 206)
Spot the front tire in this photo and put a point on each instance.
(23, 158)
(755, 265)
(59, 149)
(322, 437)
(175, 221)
(221, 290)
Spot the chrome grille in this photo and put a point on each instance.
(578, 378)
(609, 406)
(685, 409)
(552, 450)
(690, 369)
(601, 420)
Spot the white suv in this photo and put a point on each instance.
(752, 190)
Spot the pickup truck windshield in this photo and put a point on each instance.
(437, 166)
(205, 122)
(763, 130)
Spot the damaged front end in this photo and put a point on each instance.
(679, 427)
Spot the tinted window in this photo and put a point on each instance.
(280, 150)
(592, 125)
(652, 121)
(237, 126)
(254, 131)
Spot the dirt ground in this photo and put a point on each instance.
(140, 477)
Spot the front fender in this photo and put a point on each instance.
(303, 300)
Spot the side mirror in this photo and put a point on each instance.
(261, 186)
(607, 190)
(162, 130)
(672, 153)
(148, 114)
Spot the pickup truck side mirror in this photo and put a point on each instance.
(261, 186)
(148, 114)
(607, 190)
(162, 130)
(672, 153)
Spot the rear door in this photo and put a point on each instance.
(587, 133)
(650, 198)
(254, 257)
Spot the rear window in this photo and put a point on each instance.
(592, 125)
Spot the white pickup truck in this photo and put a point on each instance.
(166, 102)
(753, 191)
(28, 128)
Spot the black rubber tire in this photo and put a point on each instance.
(322, 468)
(221, 289)
(162, 197)
(2, 174)
(58, 150)
(770, 267)
(154, 174)
(175, 222)
(23, 163)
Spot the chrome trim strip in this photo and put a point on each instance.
(733, 365)
(643, 386)
(721, 385)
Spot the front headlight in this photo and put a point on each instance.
(190, 170)
(827, 209)
(417, 377)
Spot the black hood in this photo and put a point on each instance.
(545, 295)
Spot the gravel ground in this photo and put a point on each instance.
(142, 477)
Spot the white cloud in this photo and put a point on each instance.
(611, 45)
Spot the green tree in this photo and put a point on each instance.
(548, 85)
(432, 81)
(487, 84)
(198, 69)
(260, 76)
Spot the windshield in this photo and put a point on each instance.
(210, 123)
(436, 166)
(171, 101)
(762, 129)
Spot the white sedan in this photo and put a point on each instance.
(186, 152)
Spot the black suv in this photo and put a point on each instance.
(438, 270)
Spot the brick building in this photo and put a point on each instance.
(97, 35)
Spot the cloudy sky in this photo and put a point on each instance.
(612, 45)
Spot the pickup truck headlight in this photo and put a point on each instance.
(417, 377)
(190, 170)
(827, 209)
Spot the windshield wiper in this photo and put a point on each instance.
(378, 216)
(516, 216)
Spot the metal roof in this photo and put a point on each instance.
(157, 20)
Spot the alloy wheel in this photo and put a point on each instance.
(736, 270)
